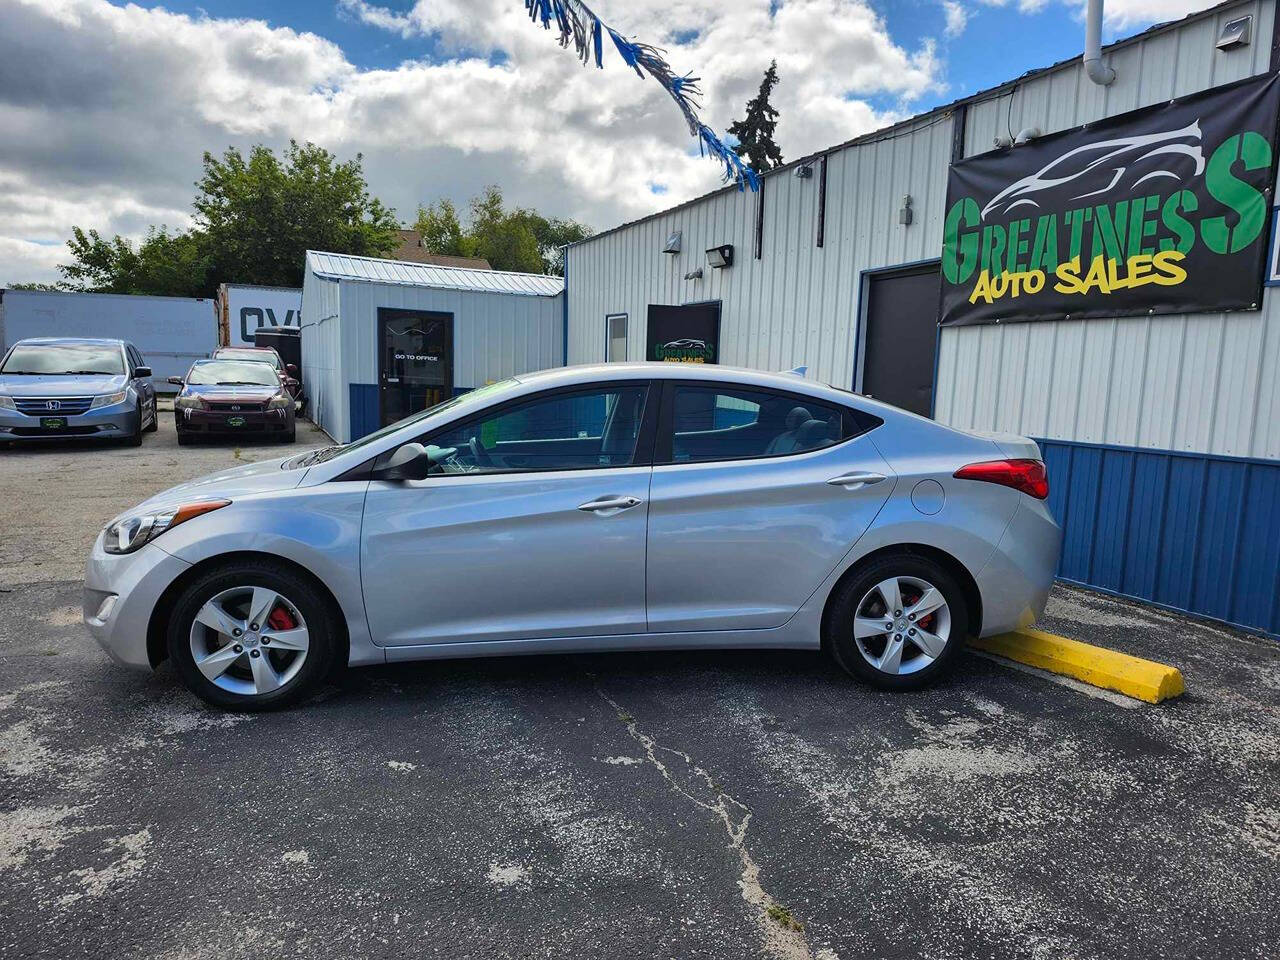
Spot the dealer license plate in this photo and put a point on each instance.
(53, 423)
(235, 422)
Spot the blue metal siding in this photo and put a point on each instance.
(365, 417)
(1192, 532)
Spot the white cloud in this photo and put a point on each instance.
(107, 109)
(957, 17)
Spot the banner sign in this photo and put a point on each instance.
(1162, 210)
(686, 334)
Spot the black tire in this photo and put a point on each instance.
(838, 627)
(292, 435)
(155, 419)
(135, 439)
(184, 439)
(316, 611)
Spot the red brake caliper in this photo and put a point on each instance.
(281, 619)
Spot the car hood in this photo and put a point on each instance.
(66, 385)
(261, 477)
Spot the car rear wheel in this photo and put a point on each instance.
(252, 636)
(897, 624)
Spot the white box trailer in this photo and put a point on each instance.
(243, 308)
(169, 332)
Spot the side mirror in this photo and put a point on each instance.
(409, 462)
(142, 372)
(176, 381)
(292, 368)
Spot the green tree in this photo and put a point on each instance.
(755, 131)
(519, 239)
(165, 264)
(256, 217)
(441, 229)
(261, 213)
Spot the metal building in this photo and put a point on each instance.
(1161, 432)
(382, 338)
(169, 332)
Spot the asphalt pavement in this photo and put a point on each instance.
(625, 805)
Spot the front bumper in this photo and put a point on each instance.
(120, 593)
(1015, 582)
(223, 422)
(115, 421)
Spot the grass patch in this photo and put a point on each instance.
(784, 918)
(625, 717)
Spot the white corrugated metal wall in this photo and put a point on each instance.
(1207, 383)
(322, 375)
(797, 304)
(495, 335)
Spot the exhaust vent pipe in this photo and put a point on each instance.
(1098, 71)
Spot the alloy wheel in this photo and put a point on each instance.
(902, 625)
(249, 640)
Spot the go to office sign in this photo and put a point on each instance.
(1163, 210)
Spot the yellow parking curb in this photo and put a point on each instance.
(1097, 666)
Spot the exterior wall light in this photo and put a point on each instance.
(673, 243)
(720, 257)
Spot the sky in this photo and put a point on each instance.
(106, 108)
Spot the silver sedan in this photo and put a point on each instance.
(612, 507)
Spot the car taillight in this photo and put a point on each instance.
(1029, 476)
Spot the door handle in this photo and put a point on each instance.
(856, 480)
(608, 506)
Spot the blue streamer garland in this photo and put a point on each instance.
(579, 26)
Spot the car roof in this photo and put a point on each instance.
(206, 360)
(233, 346)
(69, 341)
(642, 370)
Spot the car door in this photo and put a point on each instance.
(531, 524)
(744, 519)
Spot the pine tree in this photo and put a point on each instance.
(755, 130)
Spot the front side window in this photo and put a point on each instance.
(722, 423)
(562, 431)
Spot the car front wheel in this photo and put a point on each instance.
(252, 636)
(897, 624)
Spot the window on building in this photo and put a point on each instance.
(616, 337)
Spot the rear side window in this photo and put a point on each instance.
(724, 423)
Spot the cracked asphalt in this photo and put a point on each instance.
(623, 805)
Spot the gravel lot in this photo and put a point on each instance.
(616, 806)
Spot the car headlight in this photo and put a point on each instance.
(107, 399)
(280, 402)
(188, 403)
(131, 531)
(6, 403)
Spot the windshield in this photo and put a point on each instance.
(488, 392)
(64, 358)
(233, 373)
(261, 356)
